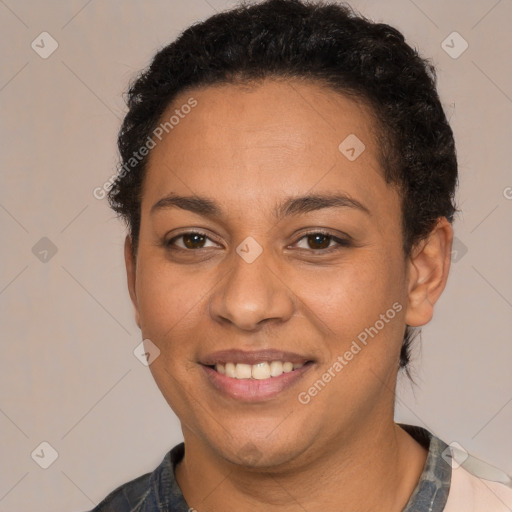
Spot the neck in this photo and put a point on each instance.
(376, 468)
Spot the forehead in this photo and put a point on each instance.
(266, 140)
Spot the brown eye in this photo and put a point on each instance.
(319, 241)
(324, 242)
(191, 240)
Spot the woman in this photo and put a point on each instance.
(287, 179)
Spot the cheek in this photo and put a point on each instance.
(361, 309)
(351, 296)
(167, 300)
(170, 302)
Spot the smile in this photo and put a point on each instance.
(257, 382)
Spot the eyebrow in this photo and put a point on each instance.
(291, 206)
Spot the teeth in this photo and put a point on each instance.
(230, 370)
(243, 371)
(287, 367)
(258, 371)
(276, 368)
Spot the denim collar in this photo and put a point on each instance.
(431, 492)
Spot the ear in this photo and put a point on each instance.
(131, 268)
(428, 266)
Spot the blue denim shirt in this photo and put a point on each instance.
(159, 492)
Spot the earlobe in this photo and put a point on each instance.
(131, 268)
(429, 265)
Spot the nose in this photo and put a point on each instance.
(252, 294)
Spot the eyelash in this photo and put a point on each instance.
(341, 242)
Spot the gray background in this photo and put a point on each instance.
(68, 374)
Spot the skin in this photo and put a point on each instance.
(248, 149)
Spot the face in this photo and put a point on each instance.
(263, 242)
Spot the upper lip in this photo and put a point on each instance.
(252, 357)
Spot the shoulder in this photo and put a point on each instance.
(126, 497)
(153, 491)
(454, 480)
(473, 493)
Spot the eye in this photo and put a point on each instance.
(190, 240)
(320, 241)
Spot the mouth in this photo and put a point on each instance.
(254, 376)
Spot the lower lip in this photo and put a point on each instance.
(254, 390)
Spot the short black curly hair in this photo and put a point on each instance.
(327, 43)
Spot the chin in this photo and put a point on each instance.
(263, 453)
